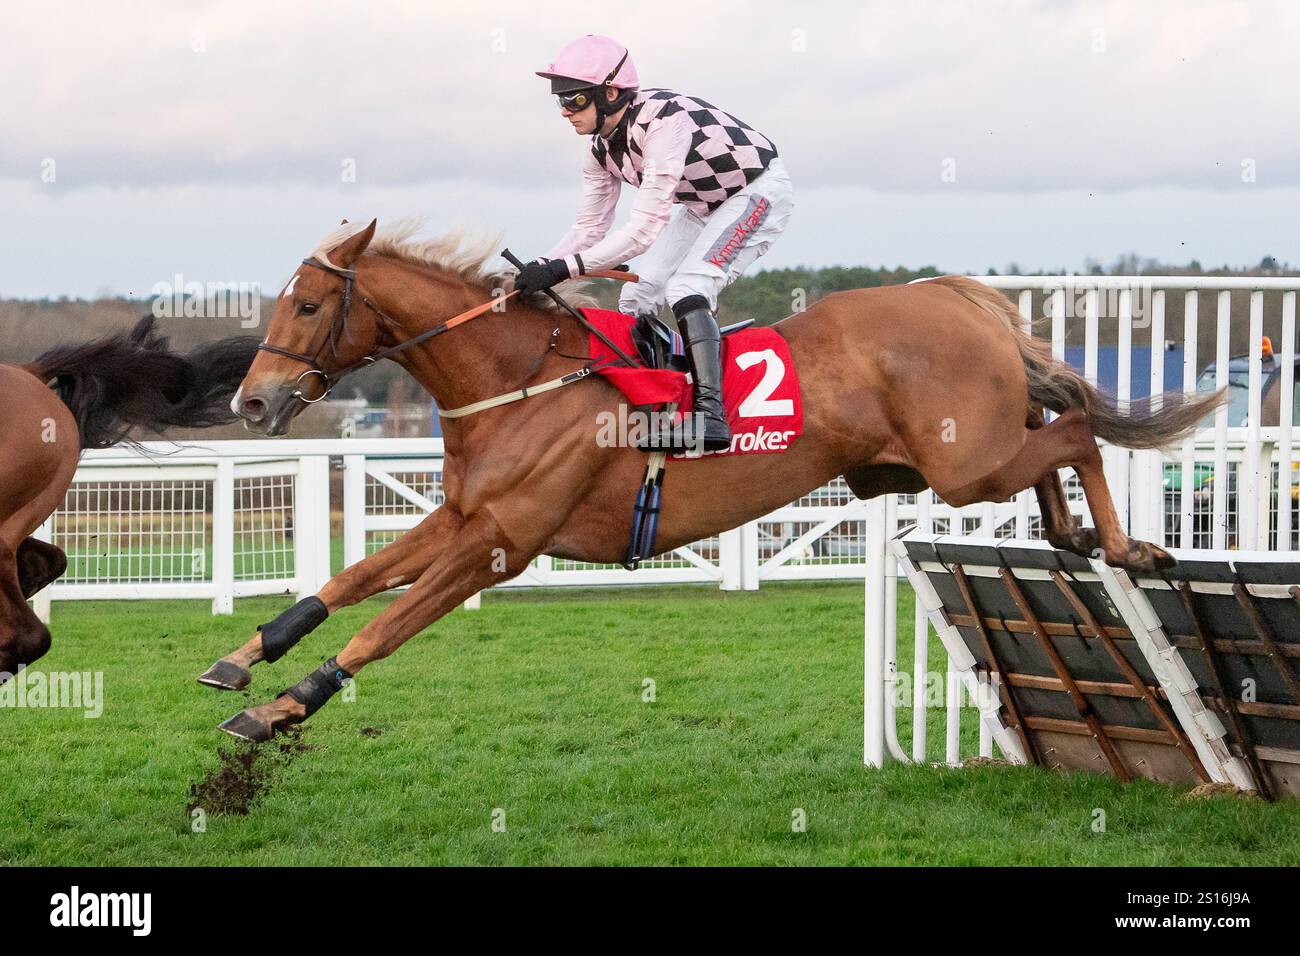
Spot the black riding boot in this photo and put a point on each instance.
(704, 352)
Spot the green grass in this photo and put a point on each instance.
(533, 704)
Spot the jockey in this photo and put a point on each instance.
(733, 190)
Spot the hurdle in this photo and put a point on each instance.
(1187, 676)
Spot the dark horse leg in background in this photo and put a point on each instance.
(25, 638)
(39, 564)
(88, 395)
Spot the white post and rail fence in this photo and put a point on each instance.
(223, 520)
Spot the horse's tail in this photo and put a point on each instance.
(1054, 384)
(132, 380)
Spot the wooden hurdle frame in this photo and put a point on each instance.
(1077, 665)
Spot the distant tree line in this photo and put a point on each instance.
(30, 326)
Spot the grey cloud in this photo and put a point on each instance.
(883, 94)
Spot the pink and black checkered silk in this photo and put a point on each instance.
(725, 155)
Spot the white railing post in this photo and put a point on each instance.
(311, 519)
(1187, 487)
(41, 599)
(1119, 475)
(223, 538)
(890, 571)
(921, 633)
(1154, 461)
(354, 509)
(1263, 495)
(738, 557)
(1285, 450)
(1248, 478)
(1056, 309)
(1219, 537)
(749, 555)
(873, 667)
(1025, 306)
(731, 560)
(1091, 338)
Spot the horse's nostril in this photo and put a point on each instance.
(253, 409)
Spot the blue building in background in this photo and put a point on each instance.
(1140, 368)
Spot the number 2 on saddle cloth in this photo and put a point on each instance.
(760, 393)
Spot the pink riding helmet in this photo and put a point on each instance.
(590, 60)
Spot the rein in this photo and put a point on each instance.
(331, 334)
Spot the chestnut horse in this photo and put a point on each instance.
(931, 385)
(87, 396)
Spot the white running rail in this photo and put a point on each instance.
(226, 519)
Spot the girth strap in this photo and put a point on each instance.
(527, 391)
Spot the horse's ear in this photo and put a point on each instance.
(350, 250)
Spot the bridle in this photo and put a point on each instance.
(329, 335)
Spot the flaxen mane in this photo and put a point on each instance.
(464, 255)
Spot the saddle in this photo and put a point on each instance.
(655, 345)
(661, 348)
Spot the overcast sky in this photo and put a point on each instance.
(218, 140)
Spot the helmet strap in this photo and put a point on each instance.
(607, 107)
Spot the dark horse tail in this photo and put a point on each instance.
(1160, 421)
(131, 380)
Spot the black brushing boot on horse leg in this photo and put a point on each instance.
(276, 638)
(312, 692)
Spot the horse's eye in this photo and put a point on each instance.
(308, 308)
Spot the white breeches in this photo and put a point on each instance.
(702, 256)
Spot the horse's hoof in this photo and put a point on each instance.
(225, 675)
(1164, 560)
(1146, 558)
(1078, 540)
(247, 727)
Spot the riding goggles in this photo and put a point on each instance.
(577, 100)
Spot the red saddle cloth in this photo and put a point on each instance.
(760, 387)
